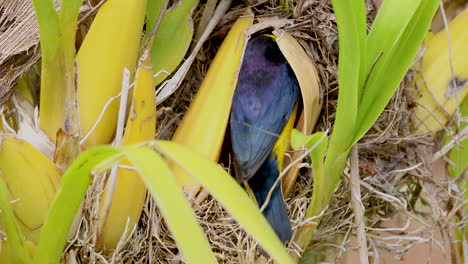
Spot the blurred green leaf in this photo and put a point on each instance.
(75, 183)
(172, 203)
(229, 193)
(173, 37)
(458, 157)
(459, 153)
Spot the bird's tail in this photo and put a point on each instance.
(275, 211)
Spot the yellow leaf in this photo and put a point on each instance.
(130, 191)
(204, 124)
(110, 46)
(438, 98)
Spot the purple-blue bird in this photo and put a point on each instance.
(262, 116)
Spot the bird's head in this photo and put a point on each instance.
(265, 46)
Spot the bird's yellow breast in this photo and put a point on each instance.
(283, 141)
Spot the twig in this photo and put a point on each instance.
(358, 208)
(93, 9)
(122, 239)
(107, 201)
(449, 40)
(154, 30)
(447, 147)
(122, 108)
(453, 80)
(208, 11)
(101, 115)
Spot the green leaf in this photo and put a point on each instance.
(49, 29)
(229, 193)
(459, 153)
(173, 37)
(172, 203)
(68, 17)
(458, 158)
(298, 140)
(318, 143)
(69, 10)
(57, 39)
(152, 11)
(391, 20)
(351, 21)
(398, 33)
(17, 251)
(51, 24)
(322, 193)
(75, 182)
(391, 69)
(316, 140)
(350, 17)
(361, 23)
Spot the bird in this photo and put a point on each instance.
(263, 113)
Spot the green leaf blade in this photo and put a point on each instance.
(459, 152)
(391, 20)
(389, 72)
(152, 11)
(169, 49)
(352, 36)
(49, 28)
(75, 183)
(321, 195)
(230, 194)
(318, 142)
(172, 203)
(70, 10)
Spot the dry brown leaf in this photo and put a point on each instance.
(307, 77)
(18, 37)
(18, 28)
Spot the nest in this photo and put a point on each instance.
(394, 167)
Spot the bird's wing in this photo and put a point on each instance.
(259, 115)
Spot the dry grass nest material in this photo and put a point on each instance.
(393, 166)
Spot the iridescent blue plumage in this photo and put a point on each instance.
(263, 102)
(275, 211)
